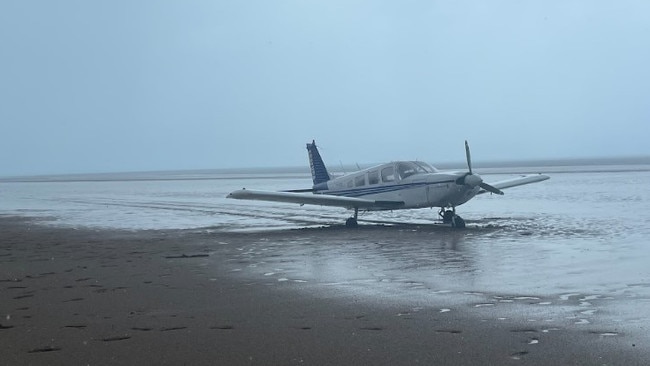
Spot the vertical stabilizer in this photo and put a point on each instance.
(318, 171)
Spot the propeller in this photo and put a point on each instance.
(473, 180)
(468, 155)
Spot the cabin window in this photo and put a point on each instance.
(350, 183)
(407, 169)
(373, 177)
(360, 181)
(388, 174)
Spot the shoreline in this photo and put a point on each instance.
(84, 296)
(568, 165)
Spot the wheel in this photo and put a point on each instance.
(351, 222)
(447, 217)
(457, 222)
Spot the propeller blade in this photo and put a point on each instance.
(491, 189)
(469, 157)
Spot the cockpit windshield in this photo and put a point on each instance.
(409, 168)
(428, 168)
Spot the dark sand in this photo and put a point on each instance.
(77, 297)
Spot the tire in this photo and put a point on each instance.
(351, 222)
(457, 222)
(447, 217)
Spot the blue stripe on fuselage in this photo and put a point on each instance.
(368, 190)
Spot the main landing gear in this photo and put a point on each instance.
(449, 216)
(352, 221)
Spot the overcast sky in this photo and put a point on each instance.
(101, 86)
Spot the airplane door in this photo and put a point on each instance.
(432, 195)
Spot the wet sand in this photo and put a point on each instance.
(82, 296)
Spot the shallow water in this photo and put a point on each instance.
(570, 250)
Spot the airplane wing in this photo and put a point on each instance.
(313, 199)
(518, 181)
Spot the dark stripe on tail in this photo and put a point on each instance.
(318, 171)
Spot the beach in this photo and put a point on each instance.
(96, 296)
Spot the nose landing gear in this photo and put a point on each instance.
(448, 215)
(352, 221)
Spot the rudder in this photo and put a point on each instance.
(319, 172)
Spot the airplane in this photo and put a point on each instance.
(397, 185)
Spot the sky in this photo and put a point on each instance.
(113, 86)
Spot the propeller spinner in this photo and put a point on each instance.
(473, 180)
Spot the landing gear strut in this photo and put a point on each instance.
(449, 216)
(352, 221)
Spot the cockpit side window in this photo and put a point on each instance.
(373, 177)
(360, 181)
(406, 170)
(409, 168)
(388, 174)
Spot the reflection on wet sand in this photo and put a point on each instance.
(499, 268)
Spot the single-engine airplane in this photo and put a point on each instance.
(396, 185)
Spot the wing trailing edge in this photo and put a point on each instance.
(313, 199)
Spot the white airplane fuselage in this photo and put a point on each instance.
(414, 183)
(391, 186)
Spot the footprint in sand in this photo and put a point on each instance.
(171, 328)
(518, 355)
(44, 349)
(75, 299)
(223, 327)
(116, 338)
(81, 326)
(604, 334)
(451, 331)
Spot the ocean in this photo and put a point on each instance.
(604, 199)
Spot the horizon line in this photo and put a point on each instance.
(488, 164)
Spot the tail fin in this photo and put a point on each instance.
(318, 171)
